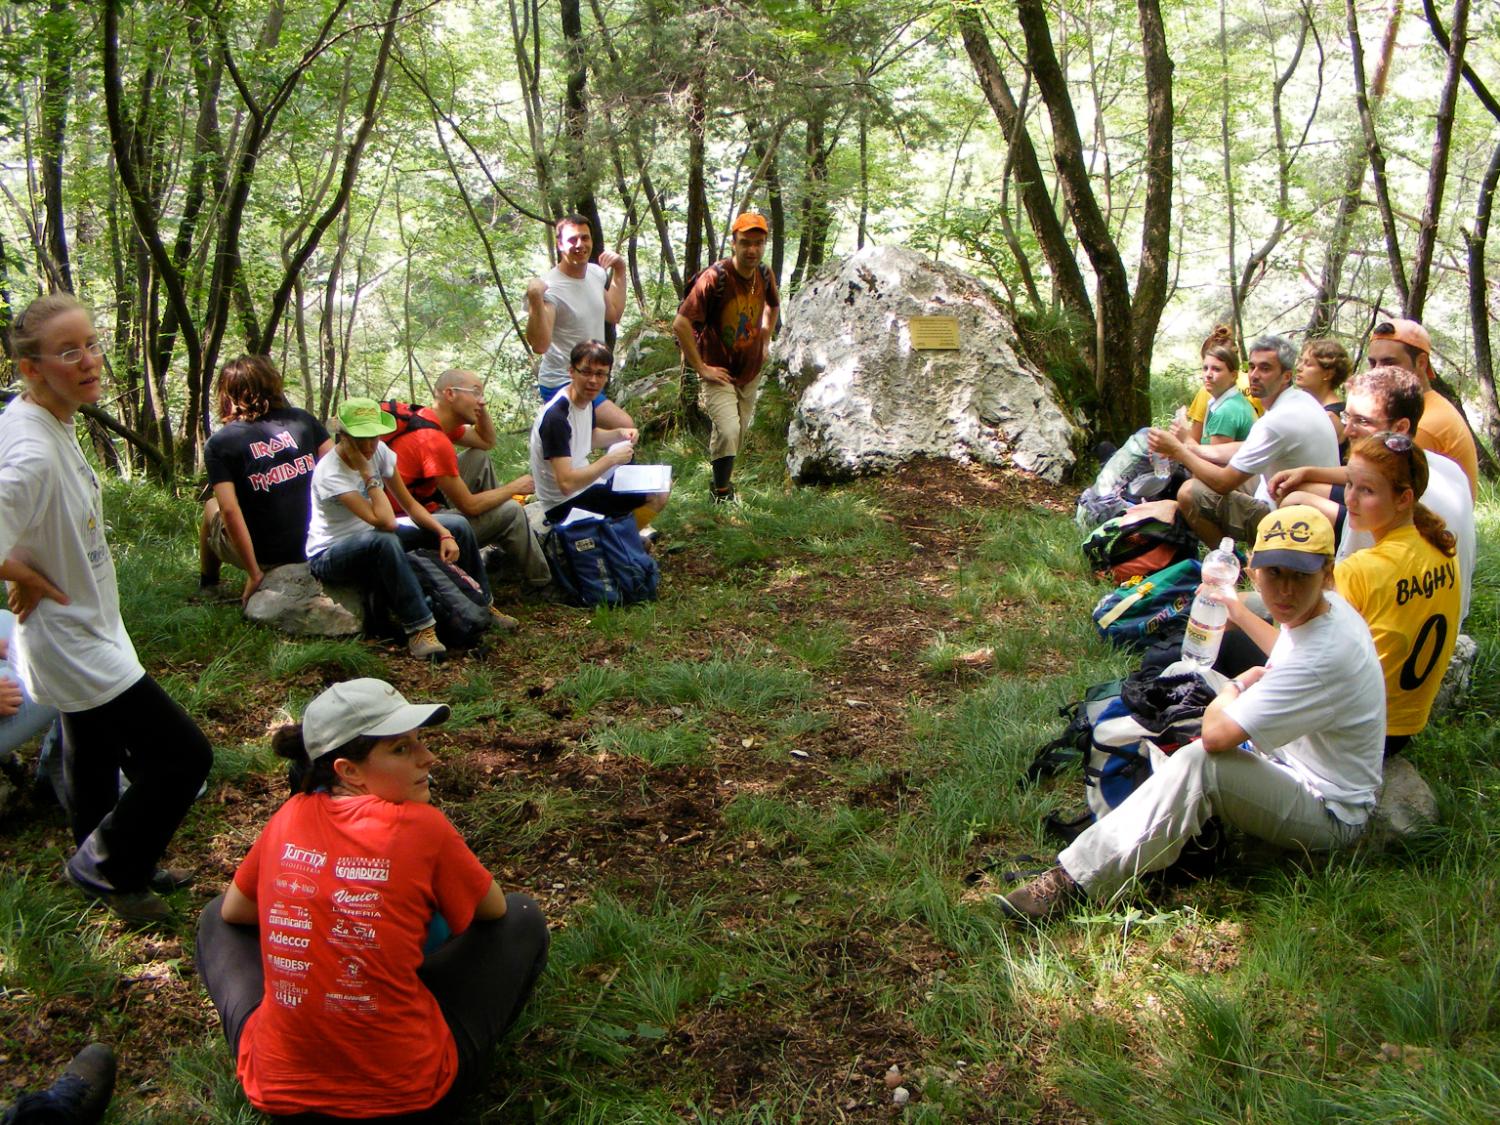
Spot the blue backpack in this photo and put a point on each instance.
(601, 562)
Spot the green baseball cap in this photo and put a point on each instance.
(363, 418)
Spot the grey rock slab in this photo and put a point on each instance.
(867, 401)
(292, 600)
(1454, 689)
(1406, 805)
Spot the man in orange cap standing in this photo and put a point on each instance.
(724, 327)
(1406, 344)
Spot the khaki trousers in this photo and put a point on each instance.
(506, 527)
(731, 409)
(1243, 789)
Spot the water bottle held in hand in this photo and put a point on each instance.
(1205, 628)
(1161, 465)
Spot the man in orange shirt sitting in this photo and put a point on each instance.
(1406, 344)
(439, 476)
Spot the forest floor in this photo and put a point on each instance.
(763, 816)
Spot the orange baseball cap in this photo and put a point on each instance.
(1407, 332)
(749, 220)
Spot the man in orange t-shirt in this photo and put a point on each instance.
(724, 327)
(1406, 344)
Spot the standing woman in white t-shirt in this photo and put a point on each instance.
(71, 648)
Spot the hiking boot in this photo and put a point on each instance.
(165, 880)
(78, 1097)
(649, 538)
(723, 495)
(1043, 898)
(503, 621)
(424, 645)
(141, 909)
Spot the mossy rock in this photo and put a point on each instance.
(650, 382)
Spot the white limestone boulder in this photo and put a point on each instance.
(866, 401)
(292, 600)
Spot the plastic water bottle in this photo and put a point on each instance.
(1161, 465)
(1205, 628)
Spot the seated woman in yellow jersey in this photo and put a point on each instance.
(1406, 587)
(1216, 415)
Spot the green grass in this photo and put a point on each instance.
(764, 933)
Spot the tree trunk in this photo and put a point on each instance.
(1479, 310)
(524, 28)
(1376, 157)
(692, 250)
(57, 81)
(576, 123)
(1123, 394)
(1031, 185)
(1327, 297)
(1151, 276)
(643, 174)
(1437, 167)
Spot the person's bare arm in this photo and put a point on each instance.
(540, 317)
(682, 327)
(1261, 632)
(11, 697)
(1204, 467)
(492, 905)
(447, 545)
(1220, 732)
(376, 511)
(239, 908)
(1296, 480)
(576, 479)
(474, 504)
(27, 587)
(239, 535)
(481, 435)
(614, 296)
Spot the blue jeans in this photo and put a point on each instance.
(33, 717)
(380, 556)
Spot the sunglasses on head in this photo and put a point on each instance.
(1396, 443)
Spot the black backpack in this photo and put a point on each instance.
(460, 611)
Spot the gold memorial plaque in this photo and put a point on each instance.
(933, 333)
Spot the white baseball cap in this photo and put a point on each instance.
(362, 707)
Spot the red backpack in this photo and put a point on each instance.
(406, 417)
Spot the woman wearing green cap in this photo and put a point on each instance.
(363, 961)
(355, 538)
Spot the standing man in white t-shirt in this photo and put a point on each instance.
(572, 303)
(1293, 432)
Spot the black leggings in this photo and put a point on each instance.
(164, 755)
(481, 979)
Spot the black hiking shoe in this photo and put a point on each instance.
(165, 880)
(140, 909)
(78, 1097)
(723, 495)
(1042, 899)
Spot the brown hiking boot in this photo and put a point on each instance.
(1042, 899)
(503, 621)
(424, 645)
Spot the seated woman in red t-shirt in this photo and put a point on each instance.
(314, 957)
